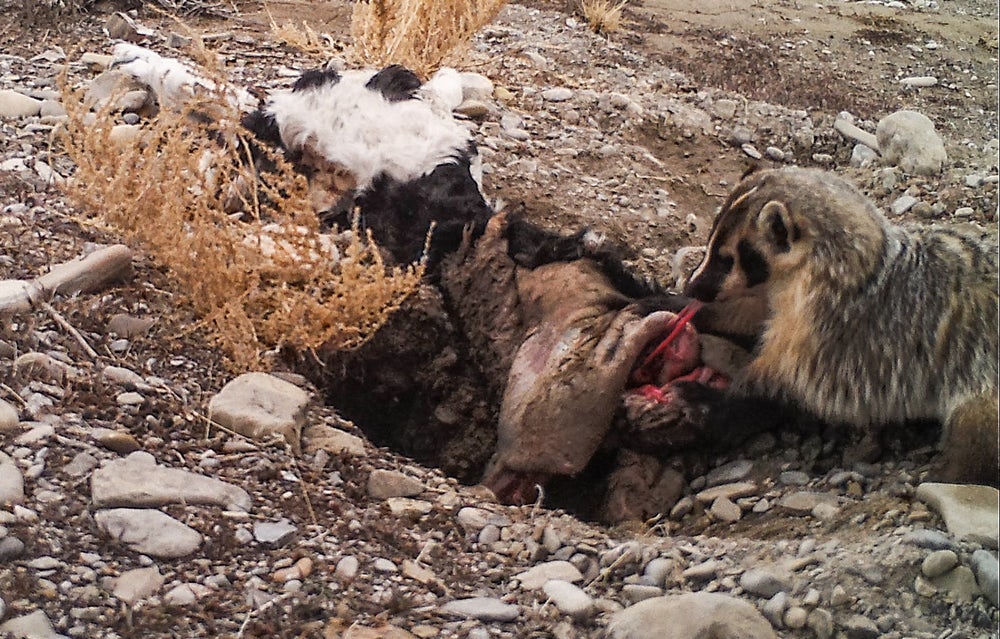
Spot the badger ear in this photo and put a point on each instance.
(776, 225)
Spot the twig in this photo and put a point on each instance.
(14, 393)
(61, 321)
(538, 501)
(262, 608)
(302, 487)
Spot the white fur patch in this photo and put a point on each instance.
(357, 128)
(174, 82)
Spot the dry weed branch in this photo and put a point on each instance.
(419, 34)
(262, 282)
(603, 16)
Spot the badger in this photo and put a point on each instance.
(866, 323)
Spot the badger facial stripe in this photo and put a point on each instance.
(753, 264)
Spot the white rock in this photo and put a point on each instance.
(723, 509)
(8, 417)
(149, 532)
(81, 464)
(121, 375)
(938, 562)
(381, 564)
(734, 471)
(634, 593)
(474, 519)
(274, 532)
(96, 61)
(729, 491)
(136, 585)
(569, 599)
(970, 512)
(690, 616)
(852, 132)
(347, 568)
(558, 94)
(333, 440)
(11, 482)
(124, 134)
(31, 626)
(44, 367)
(766, 581)
(908, 139)
(51, 108)
(919, 81)
(407, 507)
(804, 501)
(862, 155)
(476, 86)
(257, 405)
(987, 570)
(137, 481)
(383, 484)
(185, 594)
(481, 608)
(658, 570)
(902, 204)
(535, 577)
(724, 108)
(18, 105)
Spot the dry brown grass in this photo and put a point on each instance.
(419, 34)
(603, 16)
(155, 191)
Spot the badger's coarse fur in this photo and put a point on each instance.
(868, 323)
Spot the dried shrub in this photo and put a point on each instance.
(419, 34)
(265, 281)
(603, 16)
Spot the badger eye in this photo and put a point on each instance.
(726, 262)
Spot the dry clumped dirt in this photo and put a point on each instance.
(698, 87)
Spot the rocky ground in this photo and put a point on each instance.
(128, 513)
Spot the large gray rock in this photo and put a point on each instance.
(908, 139)
(31, 626)
(570, 599)
(698, 615)
(987, 570)
(8, 417)
(766, 581)
(18, 105)
(534, 578)
(137, 481)
(149, 532)
(482, 608)
(257, 405)
(136, 585)
(383, 484)
(11, 482)
(970, 512)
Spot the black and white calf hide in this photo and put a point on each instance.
(387, 146)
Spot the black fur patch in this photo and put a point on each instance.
(263, 126)
(531, 246)
(395, 82)
(753, 264)
(400, 213)
(706, 286)
(316, 78)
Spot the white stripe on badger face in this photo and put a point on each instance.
(356, 128)
(713, 237)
